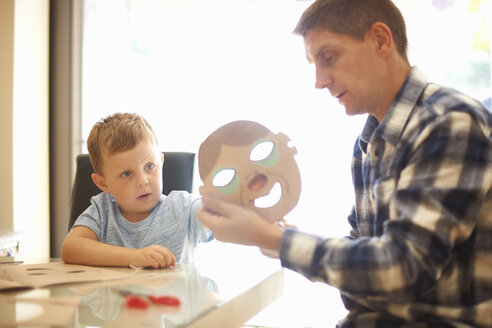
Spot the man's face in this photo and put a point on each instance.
(350, 69)
(134, 178)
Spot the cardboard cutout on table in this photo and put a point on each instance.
(230, 148)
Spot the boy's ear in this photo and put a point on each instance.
(162, 158)
(100, 182)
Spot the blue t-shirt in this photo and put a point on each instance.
(173, 224)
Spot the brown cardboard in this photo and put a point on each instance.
(230, 147)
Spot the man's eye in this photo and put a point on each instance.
(149, 166)
(328, 59)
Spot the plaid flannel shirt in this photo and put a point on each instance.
(420, 252)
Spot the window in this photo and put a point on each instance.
(450, 41)
(190, 66)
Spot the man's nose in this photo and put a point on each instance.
(323, 78)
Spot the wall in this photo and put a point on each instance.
(6, 115)
(24, 127)
(65, 133)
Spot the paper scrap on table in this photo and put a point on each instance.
(55, 273)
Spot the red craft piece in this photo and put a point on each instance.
(164, 300)
(136, 302)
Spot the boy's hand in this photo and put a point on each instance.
(154, 256)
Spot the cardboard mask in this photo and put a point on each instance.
(233, 167)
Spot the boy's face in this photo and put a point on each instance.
(134, 178)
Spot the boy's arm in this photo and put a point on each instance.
(81, 246)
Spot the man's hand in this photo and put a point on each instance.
(236, 224)
(154, 256)
(274, 253)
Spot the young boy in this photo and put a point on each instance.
(131, 223)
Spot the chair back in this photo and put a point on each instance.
(177, 174)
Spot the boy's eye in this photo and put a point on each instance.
(126, 174)
(149, 166)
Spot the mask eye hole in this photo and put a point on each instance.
(261, 151)
(223, 177)
(225, 180)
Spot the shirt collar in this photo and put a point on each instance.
(396, 117)
(369, 128)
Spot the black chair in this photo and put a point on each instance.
(177, 174)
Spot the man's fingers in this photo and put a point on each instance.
(217, 205)
(208, 217)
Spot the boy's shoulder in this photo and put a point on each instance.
(103, 203)
(102, 198)
(181, 194)
(179, 198)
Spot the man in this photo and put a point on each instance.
(420, 252)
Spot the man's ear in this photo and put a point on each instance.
(100, 182)
(162, 158)
(384, 37)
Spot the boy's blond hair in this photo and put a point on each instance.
(117, 133)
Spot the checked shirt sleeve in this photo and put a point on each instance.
(433, 195)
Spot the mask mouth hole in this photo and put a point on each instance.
(258, 182)
(270, 199)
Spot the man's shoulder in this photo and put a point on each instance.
(438, 101)
(445, 99)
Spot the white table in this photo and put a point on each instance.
(211, 295)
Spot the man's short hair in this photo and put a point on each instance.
(117, 133)
(354, 18)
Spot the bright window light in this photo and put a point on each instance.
(191, 66)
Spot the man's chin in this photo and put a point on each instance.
(353, 112)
